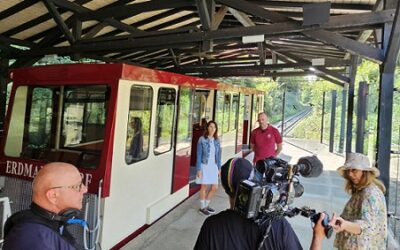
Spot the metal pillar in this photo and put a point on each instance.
(3, 90)
(322, 118)
(350, 103)
(361, 116)
(342, 121)
(283, 112)
(333, 118)
(385, 109)
(390, 46)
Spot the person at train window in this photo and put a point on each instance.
(363, 222)
(265, 141)
(229, 230)
(201, 125)
(57, 193)
(208, 165)
(136, 148)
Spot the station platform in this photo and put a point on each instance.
(180, 227)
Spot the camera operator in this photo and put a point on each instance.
(229, 230)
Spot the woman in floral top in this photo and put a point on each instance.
(363, 223)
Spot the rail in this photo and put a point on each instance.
(291, 121)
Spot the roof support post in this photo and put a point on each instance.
(342, 121)
(283, 112)
(350, 98)
(333, 119)
(77, 33)
(322, 118)
(390, 45)
(4, 79)
(361, 116)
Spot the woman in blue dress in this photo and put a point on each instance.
(208, 165)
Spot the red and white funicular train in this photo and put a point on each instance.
(91, 115)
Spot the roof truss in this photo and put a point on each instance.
(199, 37)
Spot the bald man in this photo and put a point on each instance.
(56, 199)
(265, 141)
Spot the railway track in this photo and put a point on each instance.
(291, 121)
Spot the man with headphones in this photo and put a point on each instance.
(229, 230)
(56, 200)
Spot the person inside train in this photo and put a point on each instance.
(57, 194)
(208, 165)
(136, 148)
(202, 125)
(229, 230)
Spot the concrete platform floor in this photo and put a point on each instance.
(179, 228)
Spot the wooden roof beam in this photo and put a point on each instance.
(16, 8)
(350, 45)
(59, 21)
(286, 28)
(353, 47)
(133, 9)
(394, 44)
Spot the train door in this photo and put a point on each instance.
(226, 117)
(257, 107)
(240, 122)
(203, 112)
(141, 179)
(183, 142)
(246, 120)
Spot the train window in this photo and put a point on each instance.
(234, 112)
(164, 120)
(139, 117)
(30, 126)
(257, 108)
(219, 112)
(184, 134)
(227, 113)
(59, 123)
(200, 103)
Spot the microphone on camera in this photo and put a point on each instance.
(309, 166)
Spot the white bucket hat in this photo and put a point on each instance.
(357, 161)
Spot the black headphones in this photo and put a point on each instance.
(67, 216)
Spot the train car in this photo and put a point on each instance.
(131, 132)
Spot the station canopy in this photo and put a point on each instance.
(207, 38)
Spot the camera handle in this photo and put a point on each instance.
(325, 223)
(314, 217)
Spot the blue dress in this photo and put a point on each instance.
(210, 170)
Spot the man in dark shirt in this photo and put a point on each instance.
(229, 230)
(56, 200)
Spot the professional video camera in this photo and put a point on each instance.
(274, 187)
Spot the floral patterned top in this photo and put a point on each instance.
(368, 209)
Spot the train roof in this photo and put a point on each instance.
(95, 73)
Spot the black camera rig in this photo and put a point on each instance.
(275, 185)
